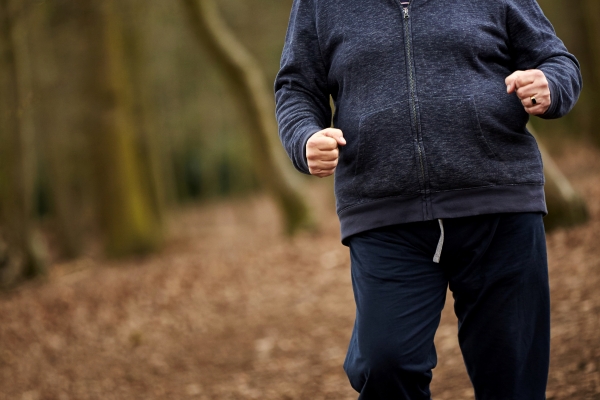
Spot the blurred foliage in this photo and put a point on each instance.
(112, 113)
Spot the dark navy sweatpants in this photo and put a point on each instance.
(496, 268)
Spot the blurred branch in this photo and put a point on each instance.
(566, 207)
(247, 82)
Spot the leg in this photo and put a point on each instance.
(399, 295)
(502, 302)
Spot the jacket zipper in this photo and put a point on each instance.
(412, 88)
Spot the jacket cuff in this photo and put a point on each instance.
(301, 163)
(554, 98)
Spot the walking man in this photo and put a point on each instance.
(438, 182)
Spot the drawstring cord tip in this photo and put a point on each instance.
(438, 251)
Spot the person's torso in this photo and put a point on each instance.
(420, 96)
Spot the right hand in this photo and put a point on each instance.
(322, 151)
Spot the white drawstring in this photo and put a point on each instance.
(438, 251)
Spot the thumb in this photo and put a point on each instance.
(336, 134)
(511, 82)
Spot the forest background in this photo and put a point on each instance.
(123, 144)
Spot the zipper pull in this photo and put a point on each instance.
(405, 12)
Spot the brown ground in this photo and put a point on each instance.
(231, 310)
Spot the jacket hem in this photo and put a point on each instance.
(449, 204)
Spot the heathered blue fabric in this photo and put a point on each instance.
(430, 130)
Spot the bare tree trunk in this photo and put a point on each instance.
(57, 107)
(566, 207)
(256, 102)
(21, 253)
(125, 206)
(591, 17)
(150, 152)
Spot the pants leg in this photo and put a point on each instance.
(399, 294)
(497, 269)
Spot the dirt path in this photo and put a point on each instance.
(231, 310)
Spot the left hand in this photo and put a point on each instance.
(529, 85)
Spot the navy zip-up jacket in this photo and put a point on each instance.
(420, 98)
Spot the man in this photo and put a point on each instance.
(438, 182)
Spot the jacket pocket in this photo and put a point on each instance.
(386, 163)
(457, 153)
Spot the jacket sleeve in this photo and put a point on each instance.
(534, 45)
(301, 94)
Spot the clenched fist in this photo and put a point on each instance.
(322, 151)
(532, 89)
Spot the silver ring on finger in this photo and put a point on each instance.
(533, 100)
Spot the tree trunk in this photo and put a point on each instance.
(21, 251)
(57, 107)
(591, 17)
(249, 86)
(151, 158)
(125, 208)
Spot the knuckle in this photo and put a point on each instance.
(314, 164)
(323, 173)
(312, 142)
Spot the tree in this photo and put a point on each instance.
(591, 14)
(21, 250)
(247, 81)
(52, 29)
(126, 208)
(151, 161)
